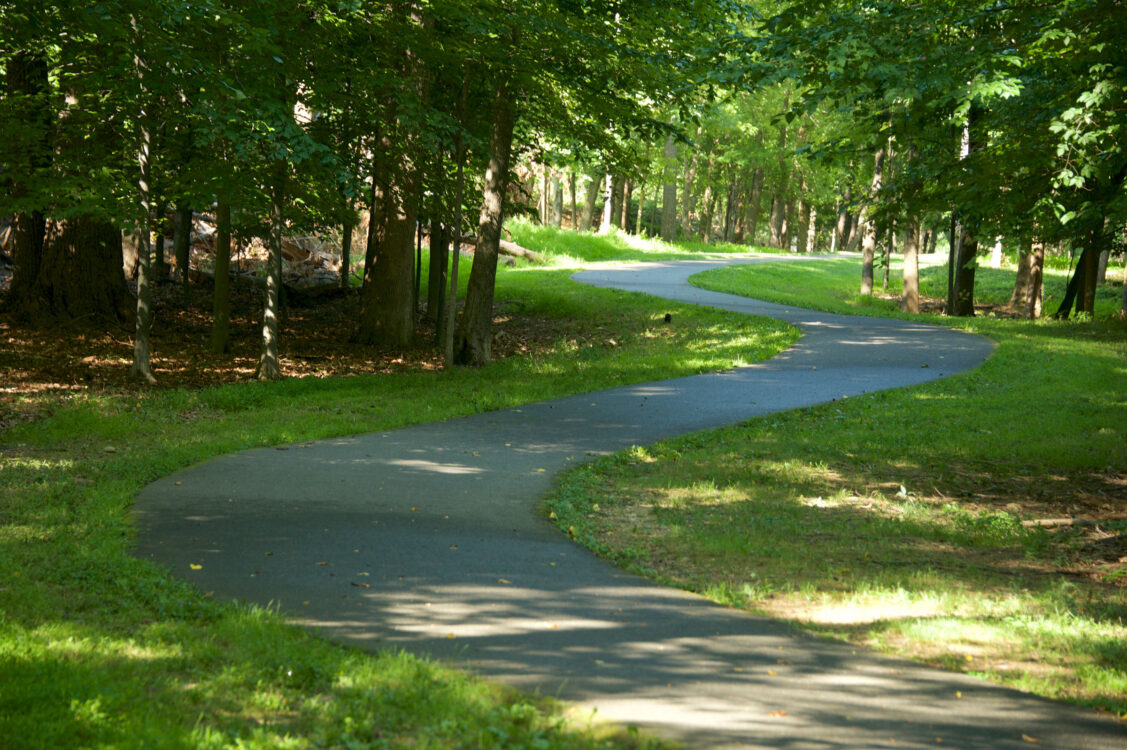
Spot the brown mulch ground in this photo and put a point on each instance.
(81, 357)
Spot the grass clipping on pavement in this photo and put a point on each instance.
(977, 523)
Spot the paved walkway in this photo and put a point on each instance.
(428, 538)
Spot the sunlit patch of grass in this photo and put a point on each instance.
(896, 519)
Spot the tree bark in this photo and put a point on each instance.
(803, 230)
(436, 272)
(592, 196)
(910, 296)
(475, 330)
(608, 205)
(140, 368)
(221, 303)
(557, 201)
(28, 87)
(869, 241)
(387, 309)
(182, 243)
(669, 192)
(966, 263)
(574, 201)
(754, 205)
(269, 362)
(624, 203)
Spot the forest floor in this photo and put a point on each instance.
(84, 356)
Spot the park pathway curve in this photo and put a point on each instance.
(428, 538)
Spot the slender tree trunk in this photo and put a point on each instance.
(141, 367)
(28, 101)
(436, 272)
(221, 306)
(910, 297)
(545, 195)
(592, 196)
(1019, 298)
(557, 201)
(182, 243)
(624, 207)
(889, 251)
(966, 263)
(269, 362)
(473, 345)
(641, 206)
(869, 242)
(609, 206)
(803, 230)
(456, 230)
(346, 254)
(755, 205)
(159, 271)
(669, 192)
(574, 200)
(1036, 280)
(777, 220)
(841, 227)
(1101, 271)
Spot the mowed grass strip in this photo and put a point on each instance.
(907, 519)
(98, 649)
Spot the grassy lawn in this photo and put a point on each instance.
(906, 520)
(98, 649)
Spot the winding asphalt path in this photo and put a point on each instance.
(428, 538)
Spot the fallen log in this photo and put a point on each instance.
(512, 249)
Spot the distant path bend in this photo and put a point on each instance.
(440, 522)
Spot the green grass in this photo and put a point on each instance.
(98, 649)
(617, 247)
(834, 286)
(894, 519)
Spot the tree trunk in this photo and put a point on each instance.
(182, 243)
(790, 223)
(269, 363)
(624, 204)
(436, 273)
(557, 201)
(592, 196)
(641, 206)
(910, 296)
(447, 327)
(755, 205)
(669, 192)
(141, 367)
(159, 271)
(27, 98)
(844, 219)
(1101, 271)
(608, 205)
(475, 330)
(1019, 297)
(221, 305)
(709, 201)
(889, 251)
(1036, 280)
(387, 310)
(803, 229)
(966, 262)
(777, 220)
(346, 254)
(574, 201)
(81, 276)
(869, 241)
